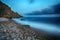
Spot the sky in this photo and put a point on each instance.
(26, 6)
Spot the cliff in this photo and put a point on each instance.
(5, 11)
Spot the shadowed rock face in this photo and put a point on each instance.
(6, 12)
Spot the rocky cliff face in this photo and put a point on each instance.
(11, 30)
(5, 11)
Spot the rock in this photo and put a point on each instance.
(26, 26)
(3, 19)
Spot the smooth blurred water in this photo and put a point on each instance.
(42, 26)
(50, 20)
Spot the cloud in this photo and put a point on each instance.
(55, 9)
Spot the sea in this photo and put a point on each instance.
(49, 24)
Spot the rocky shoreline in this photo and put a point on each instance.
(10, 30)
